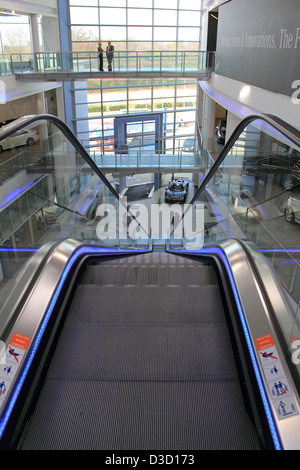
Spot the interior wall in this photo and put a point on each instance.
(18, 108)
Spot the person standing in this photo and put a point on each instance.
(100, 55)
(110, 54)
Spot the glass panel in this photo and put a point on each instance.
(188, 34)
(84, 35)
(139, 34)
(58, 195)
(165, 18)
(165, 4)
(189, 18)
(164, 34)
(114, 94)
(84, 15)
(140, 93)
(137, 3)
(113, 3)
(112, 33)
(255, 196)
(190, 5)
(86, 3)
(139, 17)
(114, 16)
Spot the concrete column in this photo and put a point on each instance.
(208, 123)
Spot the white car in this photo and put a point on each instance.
(292, 209)
(22, 137)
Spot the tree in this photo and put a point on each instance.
(16, 41)
(83, 39)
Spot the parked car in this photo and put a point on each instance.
(189, 145)
(271, 164)
(221, 131)
(22, 137)
(97, 142)
(291, 180)
(292, 207)
(177, 191)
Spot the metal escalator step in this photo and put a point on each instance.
(149, 275)
(147, 304)
(92, 415)
(144, 361)
(143, 353)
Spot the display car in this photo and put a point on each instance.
(19, 138)
(292, 207)
(270, 164)
(189, 145)
(221, 131)
(102, 140)
(177, 191)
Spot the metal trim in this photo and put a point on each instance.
(36, 312)
(257, 322)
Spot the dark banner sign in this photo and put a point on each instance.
(259, 43)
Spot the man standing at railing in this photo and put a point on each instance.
(110, 54)
(100, 55)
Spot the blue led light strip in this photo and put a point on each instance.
(19, 250)
(15, 193)
(220, 253)
(280, 250)
(79, 252)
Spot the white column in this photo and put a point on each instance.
(208, 123)
(35, 37)
(232, 122)
(50, 34)
(41, 109)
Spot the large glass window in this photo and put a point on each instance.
(115, 16)
(15, 34)
(165, 18)
(84, 15)
(137, 25)
(138, 17)
(104, 100)
(134, 25)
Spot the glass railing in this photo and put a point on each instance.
(124, 61)
(59, 190)
(55, 191)
(144, 151)
(252, 194)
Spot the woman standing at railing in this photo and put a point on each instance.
(100, 55)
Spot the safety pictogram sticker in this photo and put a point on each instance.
(10, 362)
(278, 385)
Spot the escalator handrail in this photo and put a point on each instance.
(287, 130)
(25, 121)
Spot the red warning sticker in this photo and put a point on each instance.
(264, 342)
(20, 341)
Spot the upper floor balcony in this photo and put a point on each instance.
(61, 66)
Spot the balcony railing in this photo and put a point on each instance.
(124, 61)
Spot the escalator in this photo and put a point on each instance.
(119, 348)
(144, 361)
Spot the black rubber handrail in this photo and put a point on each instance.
(25, 121)
(278, 124)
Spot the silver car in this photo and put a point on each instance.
(292, 208)
(22, 137)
